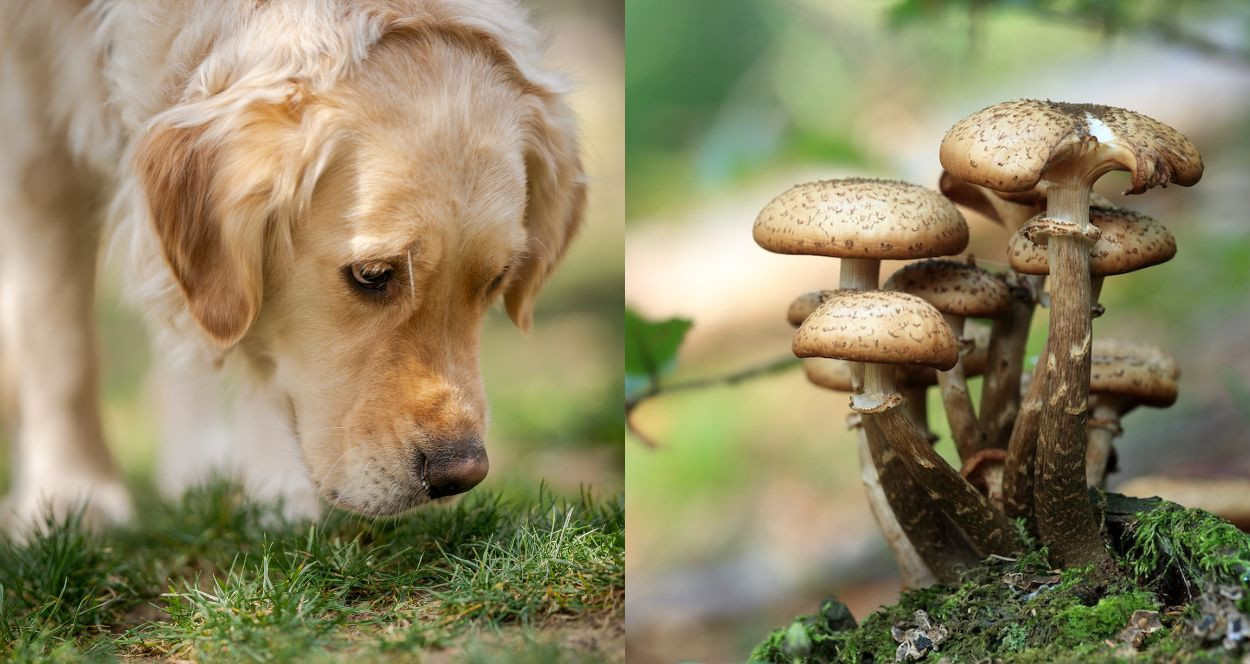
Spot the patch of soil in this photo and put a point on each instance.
(597, 639)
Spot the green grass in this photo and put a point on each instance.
(220, 578)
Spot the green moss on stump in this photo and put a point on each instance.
(1023, 611)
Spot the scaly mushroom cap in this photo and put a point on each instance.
(881, 327)
(974, 360)
(804, 305)
(861, 218)
(953, 287)
(1128, 241)
(1143, 373)
(1009, 146)
(829, 374)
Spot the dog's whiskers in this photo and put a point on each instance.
(412, 282)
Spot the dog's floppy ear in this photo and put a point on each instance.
(210, 238)
(557, 196)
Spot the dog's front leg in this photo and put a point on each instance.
(193, 424)
(47, 278)
(269, 455)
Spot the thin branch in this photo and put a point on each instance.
(657, 389)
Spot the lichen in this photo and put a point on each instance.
(1024, 611)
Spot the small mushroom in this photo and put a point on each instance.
(1124, 374)
(913, 381)
(1127, 241)
(882, 329)
(958, 290)
(1011, 147)
(924, 524)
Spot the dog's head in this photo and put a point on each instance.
(349, 240)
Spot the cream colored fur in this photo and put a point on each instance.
(240, 157)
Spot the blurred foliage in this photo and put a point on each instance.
(721, 89)
(650, 350)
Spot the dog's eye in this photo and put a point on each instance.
(371, 276)
(496, 282)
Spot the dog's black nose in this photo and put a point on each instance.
(456, 467)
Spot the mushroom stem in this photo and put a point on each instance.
(1103, 427)
(943, 549)
(1065, 516)
(917, 407)
(965, 429)
(987, 530)
(911, 565)
(1009, 338)
(1022, 449)
(860, 274)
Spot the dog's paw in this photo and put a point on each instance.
(97, 504)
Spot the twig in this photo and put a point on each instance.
(657, 388)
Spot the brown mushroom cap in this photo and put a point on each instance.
(804, 305)
(881, 327)
(1129, 241)
(974, 360)
(1009, 146)
(829, 374)
(1143, 373)
(861, 218)
(953, 287)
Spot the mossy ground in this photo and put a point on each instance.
(219, 578)
(1168, 556)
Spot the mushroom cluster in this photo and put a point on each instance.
(1035, 443)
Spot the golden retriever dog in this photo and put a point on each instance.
(324, 196)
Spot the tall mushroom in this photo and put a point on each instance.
(1010, 147)
(882, 329)
(1124, 374)
(958, 290)
(1000, 391)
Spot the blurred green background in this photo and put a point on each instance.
(751, 509)
(554, 394)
